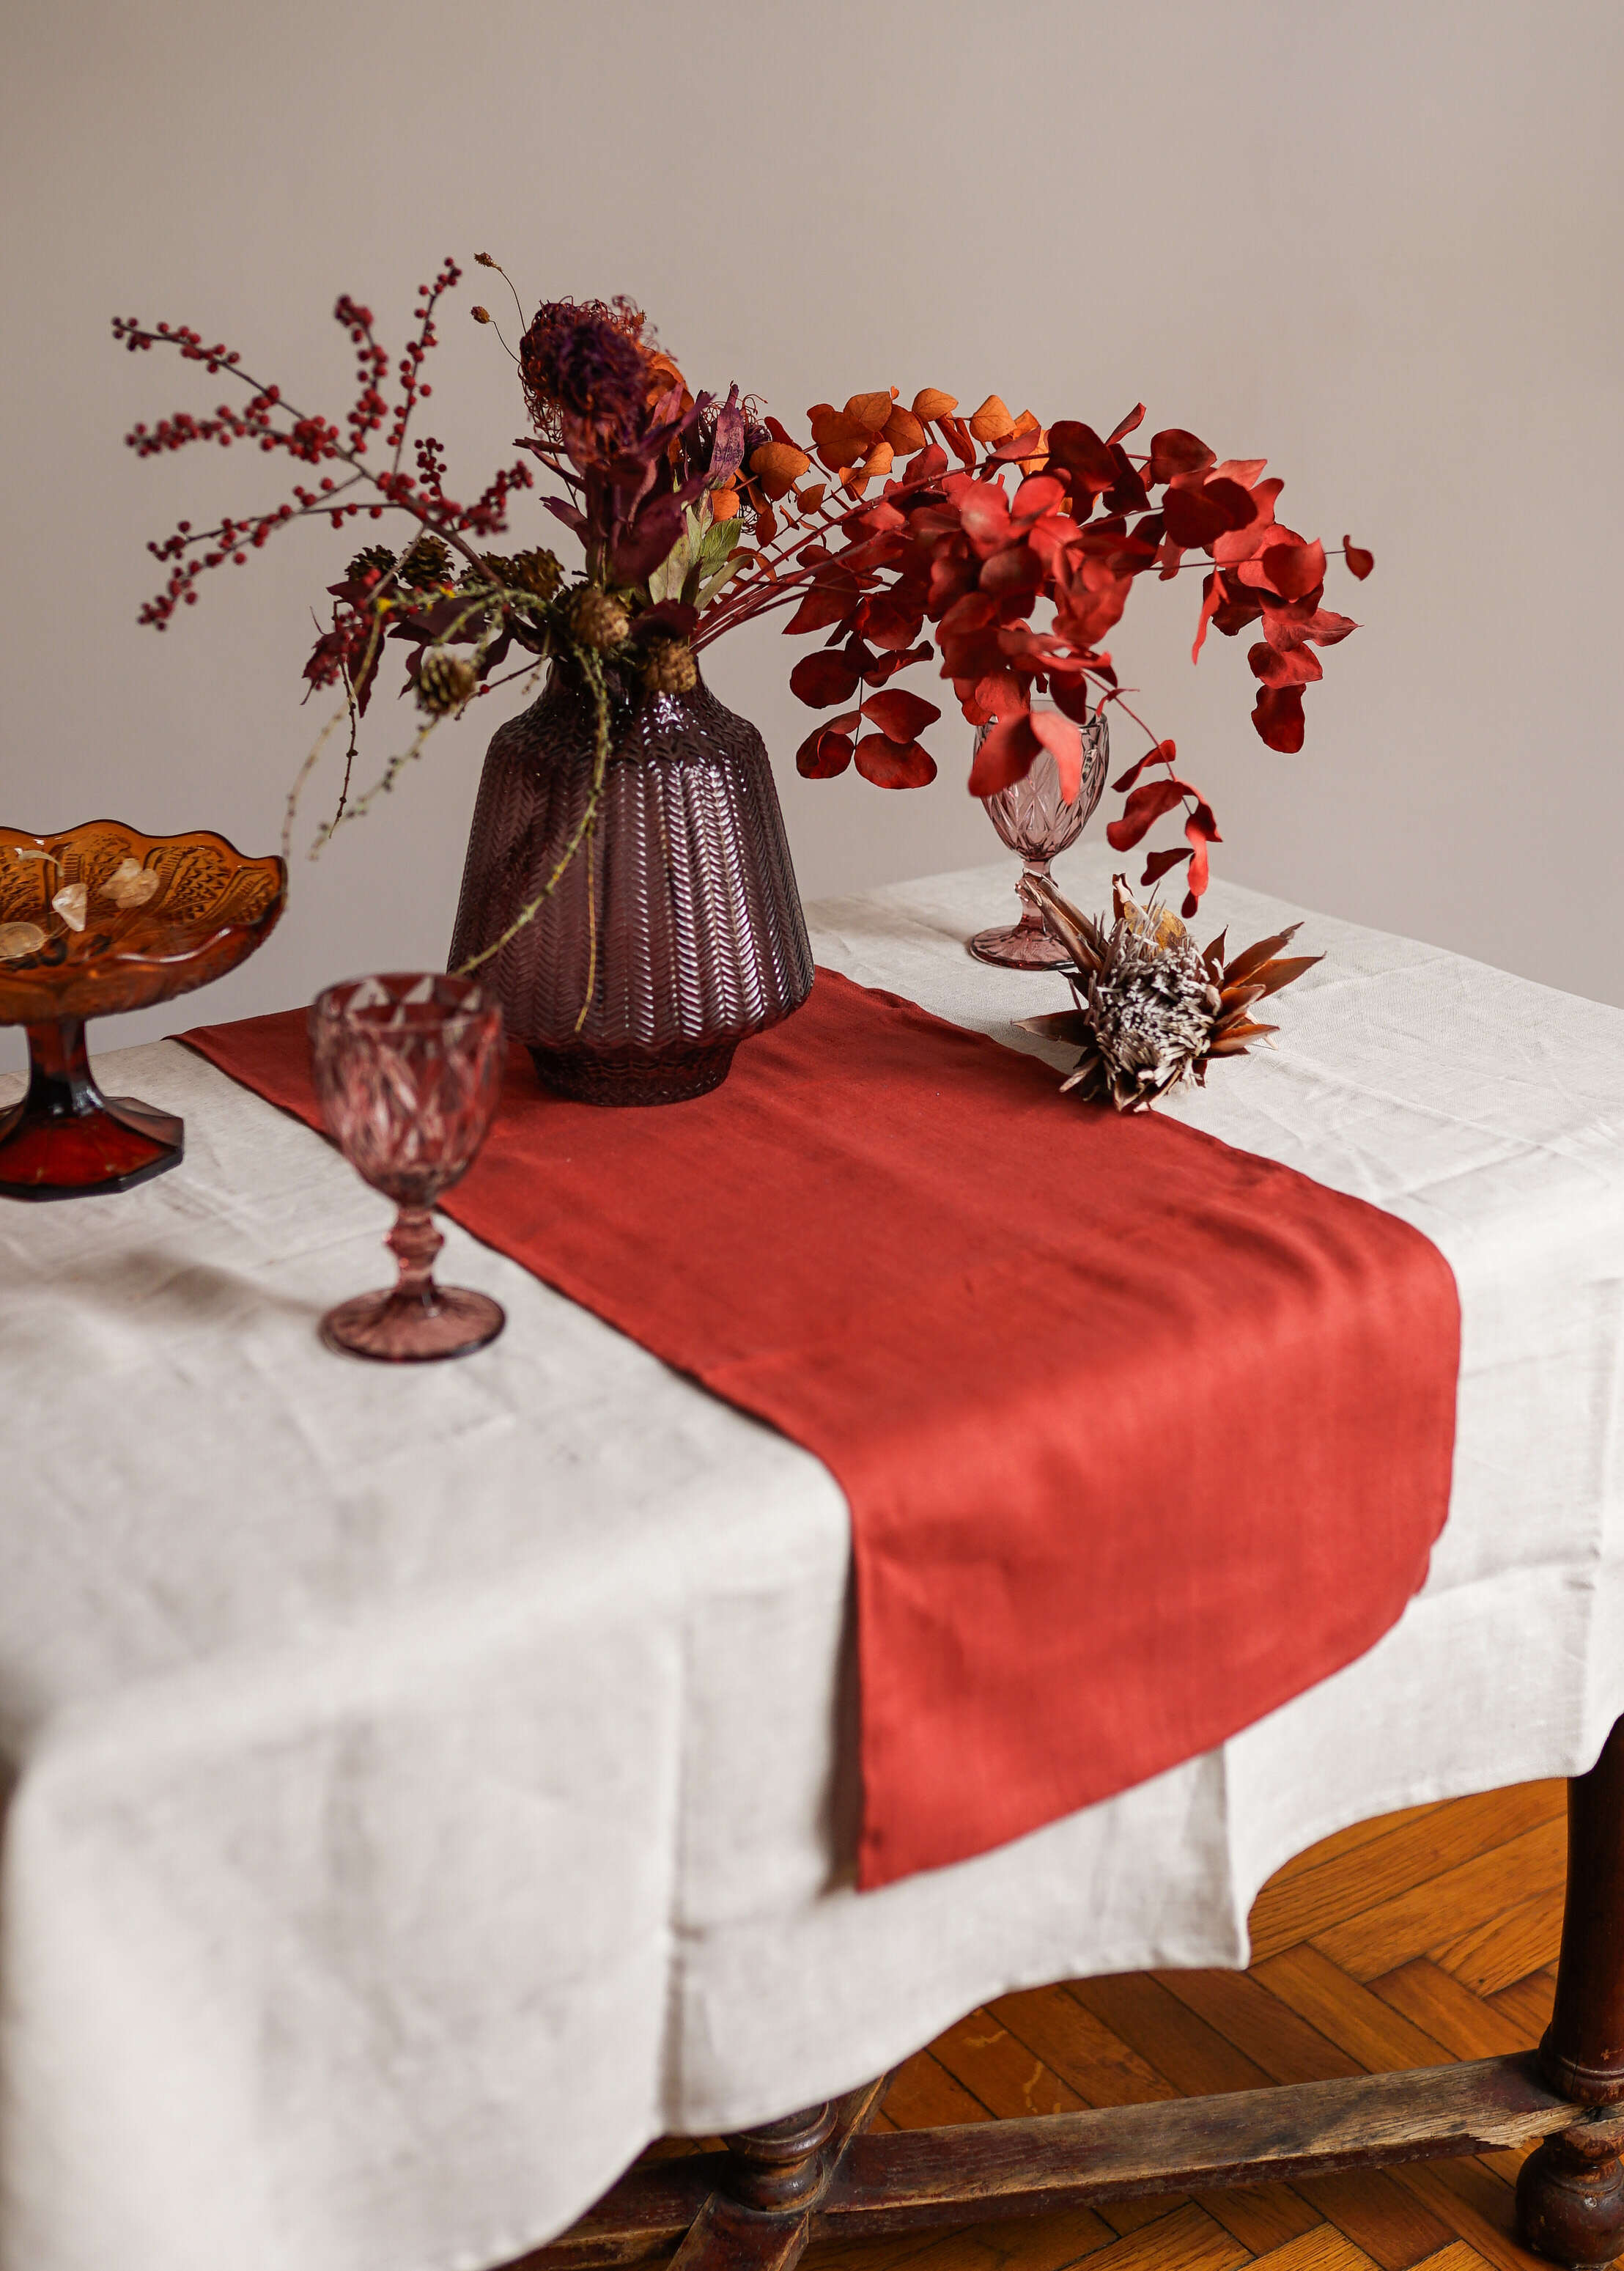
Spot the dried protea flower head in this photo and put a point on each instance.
(1152, 1008)
(585, 369)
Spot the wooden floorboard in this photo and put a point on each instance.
(1424, 1938)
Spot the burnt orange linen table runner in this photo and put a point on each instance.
(1141, 1435)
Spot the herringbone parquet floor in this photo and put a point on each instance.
(1426, 1936)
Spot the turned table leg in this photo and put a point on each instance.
(1570, 2196)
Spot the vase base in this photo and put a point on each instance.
(1018, 948)
(668, 1076)
(110, 1145)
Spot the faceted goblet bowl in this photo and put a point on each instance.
(1033, 818)
(96, 919)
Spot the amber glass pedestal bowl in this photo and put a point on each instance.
(93, 920)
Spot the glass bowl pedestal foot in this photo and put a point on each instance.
(65, 1140)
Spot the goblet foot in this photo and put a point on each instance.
(1021, 946)
(399, 1326)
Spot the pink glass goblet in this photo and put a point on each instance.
(407, 1071)
(1034, 819)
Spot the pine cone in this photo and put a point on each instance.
(669, 667)
(537, 572)
(427, 561)
(445, 681)
(596, 618)
(376, 560)
(494, 567)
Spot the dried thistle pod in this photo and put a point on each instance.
(1152, 1008)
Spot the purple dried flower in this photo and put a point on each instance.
(585, 374)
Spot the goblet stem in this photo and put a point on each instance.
(414, 1242)
(1030, 918)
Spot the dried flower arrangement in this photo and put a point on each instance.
(696, 514)
(1154, 1009)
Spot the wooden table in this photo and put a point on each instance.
(819, 2175)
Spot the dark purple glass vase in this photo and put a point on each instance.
(676, 930)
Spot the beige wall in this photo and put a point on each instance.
(1379, 243)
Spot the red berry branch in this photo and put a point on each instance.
(268, 420)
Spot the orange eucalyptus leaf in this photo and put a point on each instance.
(903, 431)
(871, 411)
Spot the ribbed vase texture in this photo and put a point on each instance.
(677, 927)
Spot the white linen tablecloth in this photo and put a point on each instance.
(424, 1787)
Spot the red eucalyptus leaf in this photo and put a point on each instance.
(1004, 755)
(1235, 612)
(890, 765)
(1360, 562)
(1135, 417)
(898, 659)
(823, 754)
(1129, 493)
(953, 572)
(1295, 570)
(1061, 738)
(1160, 863)
(1201, 830)
(1245, 470)
(1174, 451)
(1288, 666)
(1326, 628)
(1087, 462)
(1200, 516)
(974, 612)
(1142, 811)
(1071, 696)
(1165, 753)
(1277, 715)
(900, 716)
(1038, 494)
(1013, 571)
(984, 515)
(823, 604)
(894, 621)
(1212, 600)
(1002, 694)
(822, 679)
